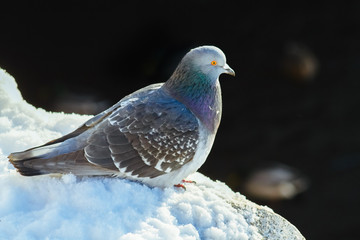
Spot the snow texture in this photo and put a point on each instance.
(67, 207)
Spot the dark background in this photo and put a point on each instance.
(67, 56)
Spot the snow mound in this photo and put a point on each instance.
(68, 207)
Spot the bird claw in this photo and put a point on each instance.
(180, 186)
(188, 181)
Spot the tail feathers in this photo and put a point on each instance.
(28, 164)
(24, 170)
(31, 161)
(36, 152)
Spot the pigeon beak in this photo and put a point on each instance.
(228, 70)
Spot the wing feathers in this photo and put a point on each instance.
(117, 138)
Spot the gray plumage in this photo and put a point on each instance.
(157, 135)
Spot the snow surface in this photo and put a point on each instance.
(68, 207)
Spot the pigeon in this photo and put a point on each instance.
(157, 135)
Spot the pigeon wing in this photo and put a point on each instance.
(145, 138)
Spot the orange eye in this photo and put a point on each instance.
(213, 63)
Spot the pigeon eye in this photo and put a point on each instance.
(213, 63)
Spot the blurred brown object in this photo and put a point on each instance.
(298, 63)
(275, 182)
(269, 182)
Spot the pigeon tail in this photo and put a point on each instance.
(22, 169)
(52, 159)
(27, 162)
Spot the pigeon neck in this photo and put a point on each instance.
(201, 95)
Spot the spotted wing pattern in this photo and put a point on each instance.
(145, 138)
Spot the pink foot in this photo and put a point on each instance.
(188, 181)
(180, 186)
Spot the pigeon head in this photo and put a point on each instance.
(195, 83)
(208, 60)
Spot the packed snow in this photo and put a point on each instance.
(67, 207)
